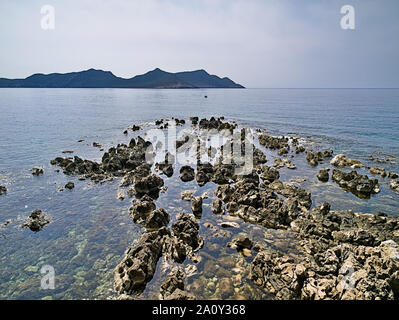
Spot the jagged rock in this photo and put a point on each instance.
(217, 206)
(300, 149)
(290, 191)
(187, 195)
(194, 120)
(379, 171)
(186, 173)
(315, 158)
(392, 175)
(173, 286)
(141, 209)
(241, 242)
(358, 184)
(150, 185)
(204, 173)
(344, 271)
(278, 274)
(269, 174)
(157, 219)
(280, 163)
(70, 185)
(139, 263)
(273, 142)
(216, 124)
(3, 190)
(36, 221)
(394, 185)
(37, 171)
(186, 229)
(196, 206)
(223, 173)
(323, 175)
(342, 161)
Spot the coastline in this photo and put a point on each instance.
(252, 254)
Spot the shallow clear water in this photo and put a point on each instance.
(91, 229)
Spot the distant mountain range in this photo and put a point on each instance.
(92, 78)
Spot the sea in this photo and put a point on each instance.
(90, 228)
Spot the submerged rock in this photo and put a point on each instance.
(323, 175)
(36, 221)
(173, 287)
(356, 183)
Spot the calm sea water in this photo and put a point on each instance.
(90, 228)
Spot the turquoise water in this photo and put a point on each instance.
(91, 229)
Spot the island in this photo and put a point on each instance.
(92, 78)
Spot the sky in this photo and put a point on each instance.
(257, 43)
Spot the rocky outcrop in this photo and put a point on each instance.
(186, 173)
(70, 185)
(117, 161)
(140, 209)
(204, 174)
(394, 185)
(280, 163)
(157, 219)
(341, 161)
(314, 158)
(347, 255)
(323, 175)
(139, 264)
(173, 286)
(216, 124)
(273, 143)
(218, 207)
(359, 185)
(196, 206)
(3, 190)
(269, 174)
(186, 229)
(37, 171)
(36, 221)
(341, 272)
(378, 171)
(150, 185)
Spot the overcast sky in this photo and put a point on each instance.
(258, 43)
